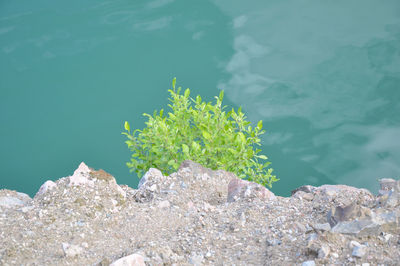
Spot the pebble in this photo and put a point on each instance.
(308, 263)
(164, 204)
(71, 250)
(323, 252)
(131, 260)
(359, 251)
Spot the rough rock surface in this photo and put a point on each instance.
(197, 216)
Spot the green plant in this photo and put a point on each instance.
(204, 133)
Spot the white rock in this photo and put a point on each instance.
(353, 244)
(71, 250)
(81, 176)
(48, 185)
(164, 204)
(131, 260)
(308, 263)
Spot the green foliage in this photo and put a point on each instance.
(202, 132)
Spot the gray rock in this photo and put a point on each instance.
(323, 227)
(323, 252)
(359, 251)
(387, 184)
(306, 189)
(379, 222)
(308, 263)
(152, 174)
(273, 242)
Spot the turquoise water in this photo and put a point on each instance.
(323, 75)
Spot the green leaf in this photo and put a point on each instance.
(263, 157)
(187, 93)
(126, 126)
(185, 149)
(259, 125)
(173, 83)
(221, 95)
(206, 135)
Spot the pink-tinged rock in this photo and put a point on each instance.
(46, 187)
(240, 189)
(81, 176)
(131, 260)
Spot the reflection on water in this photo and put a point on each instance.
(326, 78)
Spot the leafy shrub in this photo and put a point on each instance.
(204, 133)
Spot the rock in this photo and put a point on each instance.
(48, 185)
(323, 252)
(196, 259)
(374, 225)
(71, 250)
(242, 189)
(131, 260)
(334, 190)
(322, 227)
(153, 175)
(347, 213)
(81, 176)
(308, 263)
(164, 204)
(13, 199)
(306, 189)
(387, 184)
(359, 251)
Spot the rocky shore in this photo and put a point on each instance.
(197, 216)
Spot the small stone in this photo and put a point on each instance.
(274, 242)
(308, 196)
(359, 251)
(308, 263)
(71, 250)
(388, 237)
(300, 227)
(153, 174)
(365, 264)
(131, 260)
(196, 259)
(387, 184)
(164, 204)
(353, 244)
(335, 255)
(323, 227)
(323, 252)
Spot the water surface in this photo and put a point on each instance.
(324, 77)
